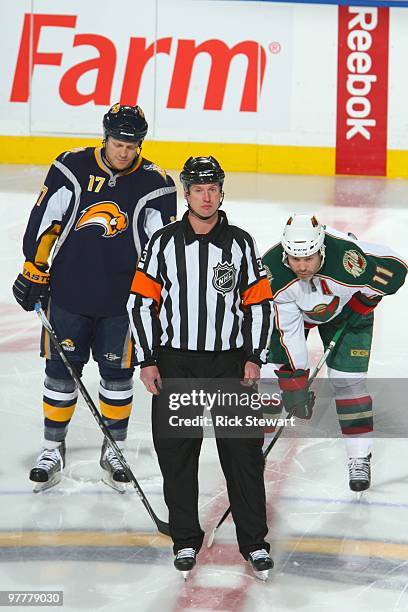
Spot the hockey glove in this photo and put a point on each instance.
(361, 304)
(296, 397)
(31, 286)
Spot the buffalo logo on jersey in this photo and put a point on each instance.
(354, 263)
(111, 356)
(105, 214)
(68, 345)
(224, 277)
(323, 312)
(155, 168)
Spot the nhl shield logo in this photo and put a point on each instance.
(224, 277)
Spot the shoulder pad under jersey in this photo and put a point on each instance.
(76, 157)
(149, 166)
(347, 263)
(278, 274)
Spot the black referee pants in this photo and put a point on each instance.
(241, 459)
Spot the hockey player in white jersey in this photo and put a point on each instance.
(320, 277)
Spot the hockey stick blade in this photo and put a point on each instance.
(278, 434)
(162, 526)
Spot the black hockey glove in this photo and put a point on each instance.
(296, 396)
(31, 286)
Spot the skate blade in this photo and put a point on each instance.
(210, 540)
(39, 487)
(119, 487)
(186, 575)
(261, 575)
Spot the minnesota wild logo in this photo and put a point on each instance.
(269, 275)
(354, 263)
(323, 312)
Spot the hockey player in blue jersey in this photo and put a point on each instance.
(95, 213)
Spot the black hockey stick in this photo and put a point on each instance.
(278, 434)
(161, 525)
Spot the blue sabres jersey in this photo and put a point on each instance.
(96, 222)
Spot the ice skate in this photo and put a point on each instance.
(185, 561)
(113, 473)
(359, 474)
(261, 563)
(47, 471)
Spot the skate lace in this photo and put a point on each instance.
(258, 554)
(48, 459)
(185, 552)
(359, 468)
(113, 460)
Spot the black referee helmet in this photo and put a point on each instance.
(201, 170)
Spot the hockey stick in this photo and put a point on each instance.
(278, 434)
(161, 525)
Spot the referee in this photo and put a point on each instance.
(200, 307)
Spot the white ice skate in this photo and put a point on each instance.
(185, 561)
(113, 473)
(261, 563)
(47, 471)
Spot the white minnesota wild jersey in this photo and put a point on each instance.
(350, 266)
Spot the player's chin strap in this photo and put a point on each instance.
(161, 525)
(109, 163)
(278, 434)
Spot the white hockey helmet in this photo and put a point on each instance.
(303, 236)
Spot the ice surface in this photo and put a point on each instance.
(101, 548)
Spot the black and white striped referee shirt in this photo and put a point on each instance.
(200, 292)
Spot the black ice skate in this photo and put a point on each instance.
(359, 473)
(261, 563)
(47, 471)
(114, 474)
(185, 561)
